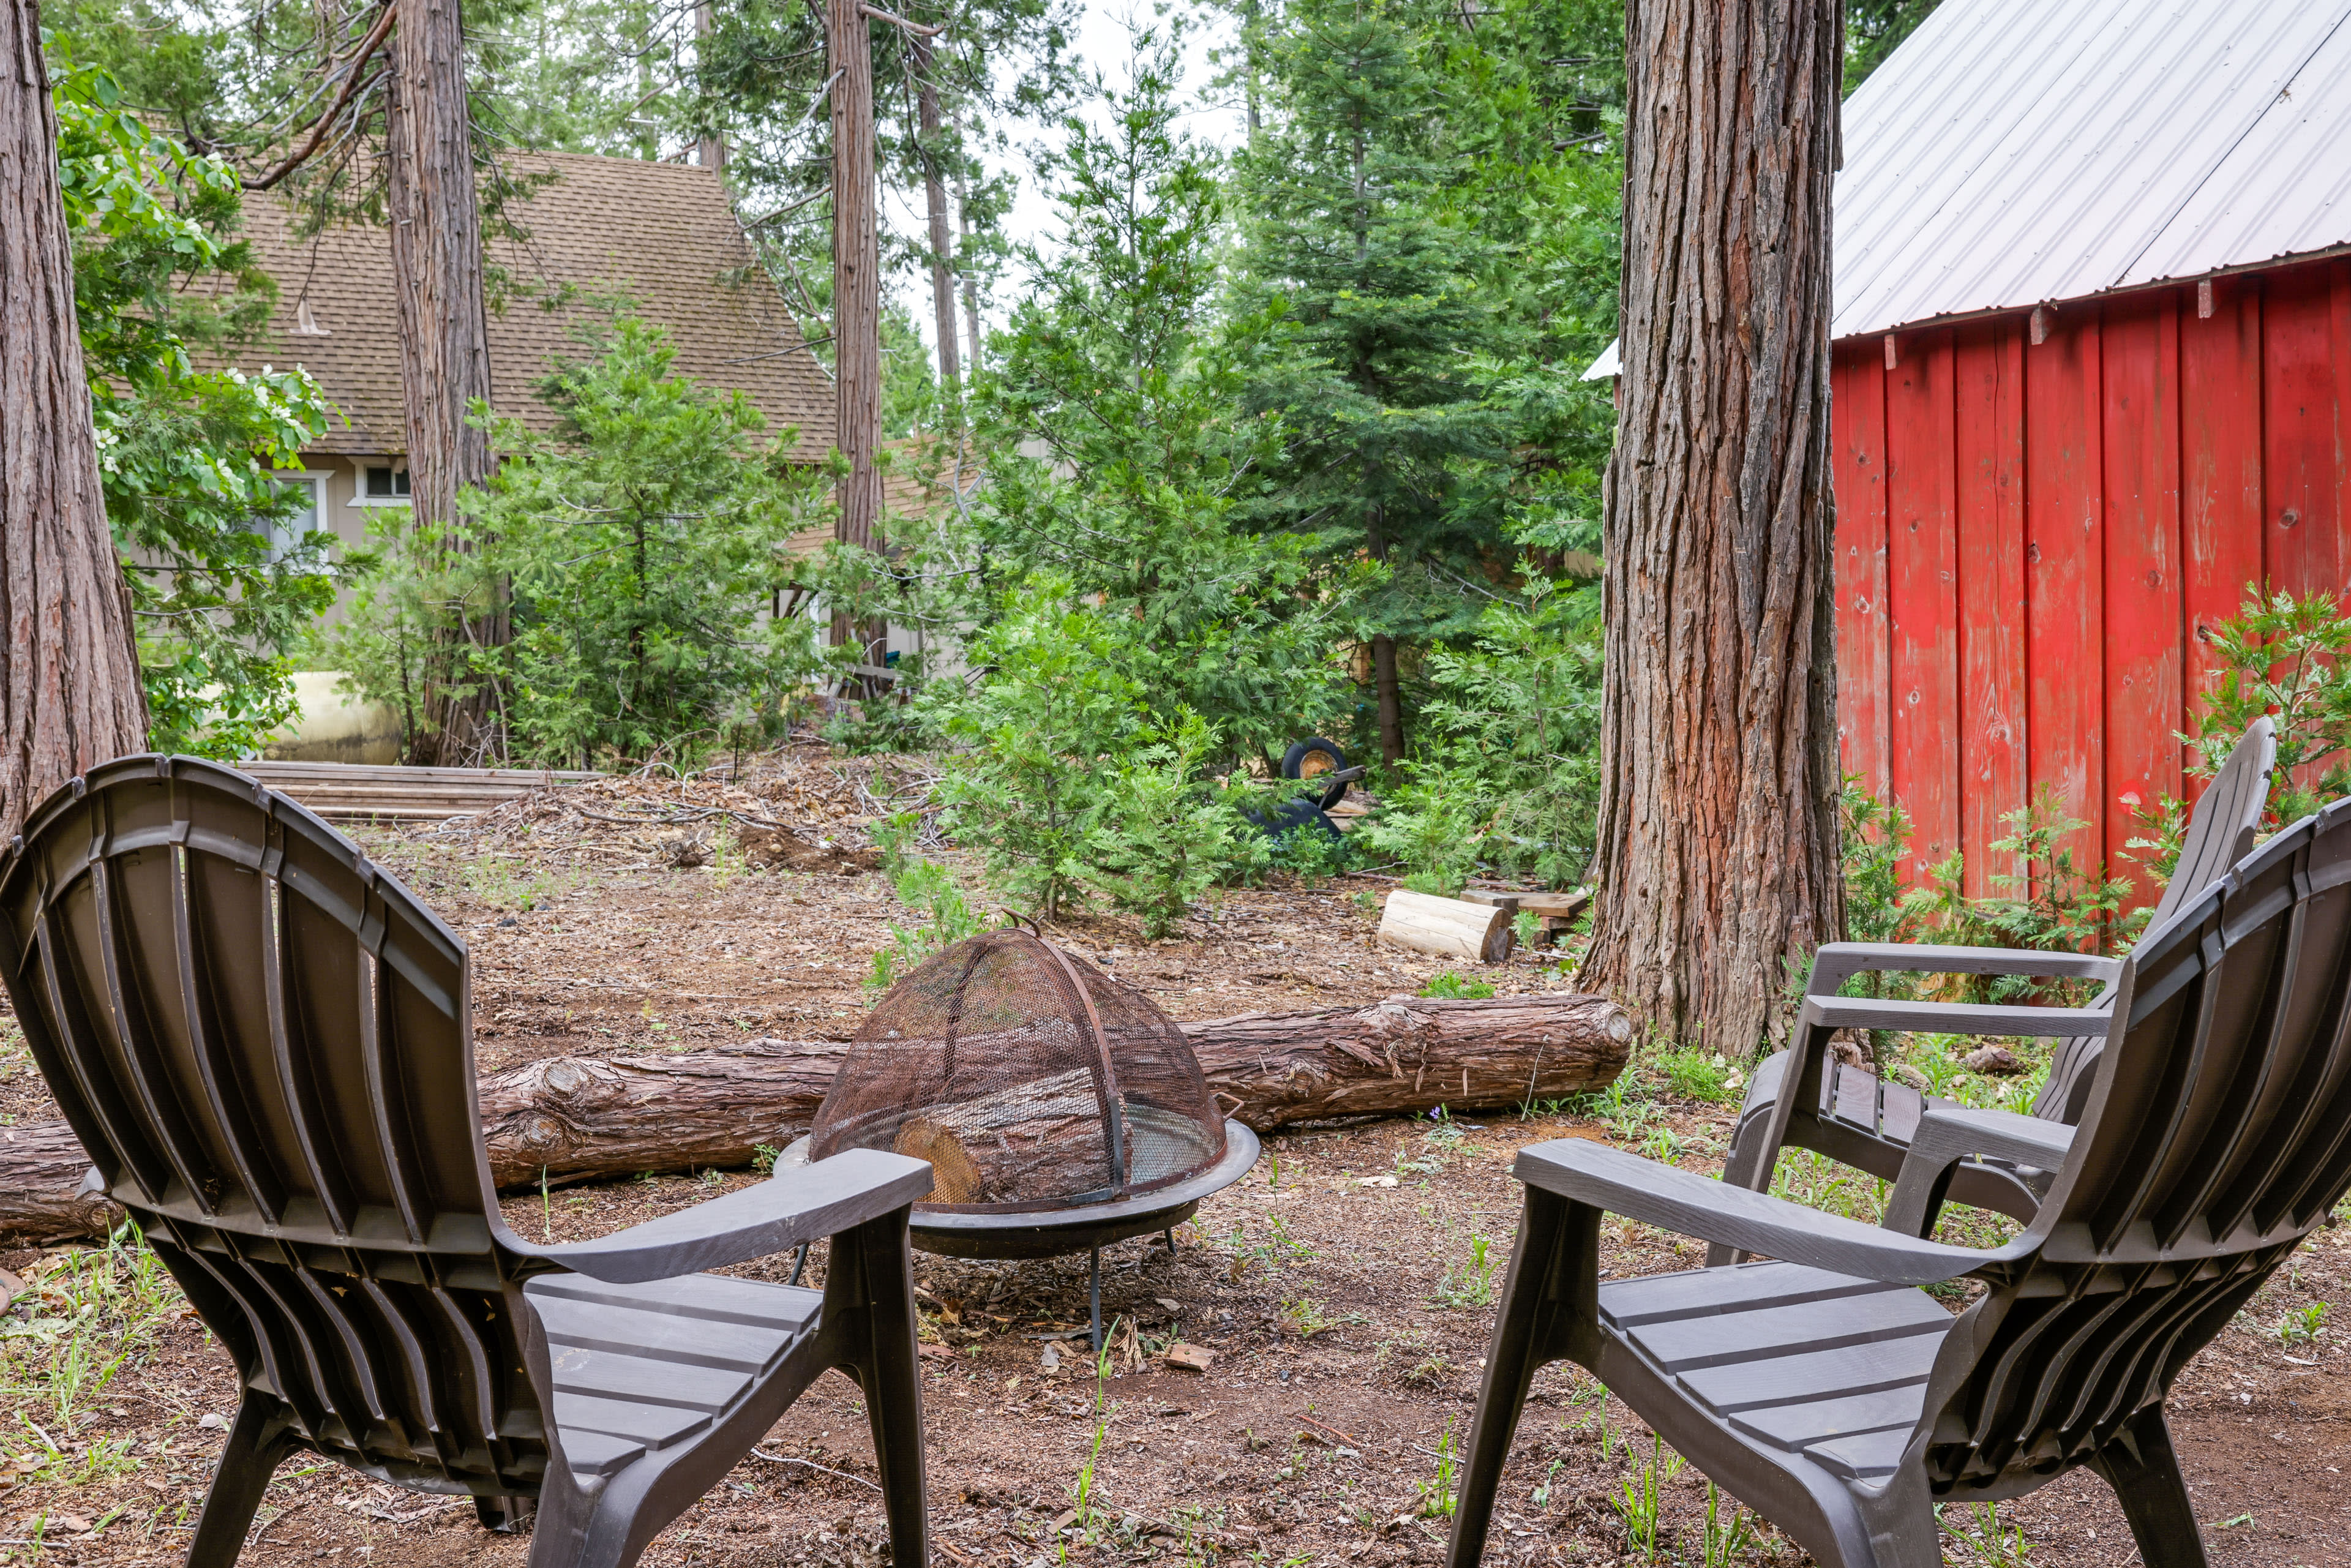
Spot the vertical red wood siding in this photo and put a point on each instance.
(1922, 596)
(1857, 391)
(1989, 461)
(2031, 537)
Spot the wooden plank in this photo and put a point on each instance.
(2065, 603)
(1988, 441)
(2139, 378)
(2302, 519)
(1922, 598)
(2219, 478)
(1857, 387)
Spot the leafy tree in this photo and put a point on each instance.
(1379, 371)
(219, 589)
(642, 538)
(1117, 445)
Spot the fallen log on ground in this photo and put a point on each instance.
(572, 1118)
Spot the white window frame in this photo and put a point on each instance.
(360, 496)
(317, 478)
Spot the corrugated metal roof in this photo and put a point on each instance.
(2016, 152)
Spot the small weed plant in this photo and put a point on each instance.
(2303, 1325)
(1700, 1075)
(1722, 1542)
(1439, 1495)
(1635, 1503)
(1451, 987)
(1978, 1529)
(1468, 1281)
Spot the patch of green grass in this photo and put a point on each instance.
(1456, 988)
(95, 1315)
(1468, 1281)
(1699, 1075)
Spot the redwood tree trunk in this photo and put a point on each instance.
(445, 357)
(856, 303)
(935, 197)
(69, 691)
(1717, 855)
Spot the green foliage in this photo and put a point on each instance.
(1454, 988)
(1698, 1074)
(1116, 442)
(1508, 770)
(923, 885)
(1042, 733)
(1164, 838)
(2054, 904)
(1872, 30)
(2283, 656)
(2303, 1325)
(188, 458)
(640, 540)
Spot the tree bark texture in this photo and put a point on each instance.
(1717, 853)
(856, 274)
(444, 356)
(1388, 697)
(935, 197)
(69, 691)
(710, 150)
(574, 1118)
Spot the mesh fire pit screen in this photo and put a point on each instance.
(1030, 1079)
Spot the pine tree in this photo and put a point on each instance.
(1394, 450)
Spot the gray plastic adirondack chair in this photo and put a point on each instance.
(1827, 1393)
(1861, 1120)
(263, 1043)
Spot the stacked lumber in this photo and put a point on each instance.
(358, 792)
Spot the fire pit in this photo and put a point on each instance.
(1060, 1109)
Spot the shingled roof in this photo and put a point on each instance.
(665, 233)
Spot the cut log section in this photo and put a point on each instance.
(1449, 927)
(577, 1117)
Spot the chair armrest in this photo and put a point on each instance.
(756, 1221)
(1838, 962)
(1954, 1018)
(1948, 1134)
(1674, 1200)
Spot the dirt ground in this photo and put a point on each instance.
(1344, 1287)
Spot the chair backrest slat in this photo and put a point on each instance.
(2218, 1137)
(2219, 834)
(2220, 830)
(262, 1042)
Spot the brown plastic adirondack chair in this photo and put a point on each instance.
(1841, 1403)
(1861, 1120)
(263, 1043)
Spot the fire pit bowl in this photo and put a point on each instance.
(1060, 1109)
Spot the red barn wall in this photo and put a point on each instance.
(2030, 535)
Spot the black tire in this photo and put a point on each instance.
(1311, 758)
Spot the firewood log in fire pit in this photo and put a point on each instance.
(583, 1117)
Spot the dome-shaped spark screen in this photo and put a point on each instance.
(1029, 1080)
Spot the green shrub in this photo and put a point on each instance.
(640, 539)
(1164, 836)
(1698, 1074)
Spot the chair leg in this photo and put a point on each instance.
(255, 1447)
(2144, 1469)
(1534, 1325)
(889, 1368)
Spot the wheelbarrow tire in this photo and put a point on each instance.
(1293, 765)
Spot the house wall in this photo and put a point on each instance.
(2031, 537)
(338, 478)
